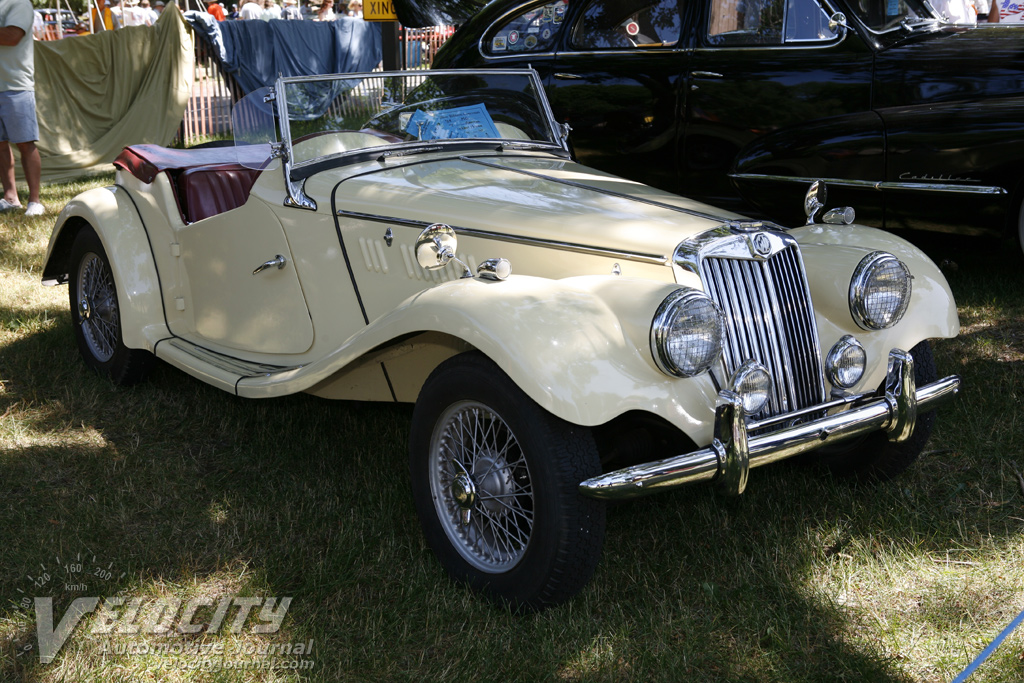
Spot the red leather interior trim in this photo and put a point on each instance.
(129, 160)
(209, 190)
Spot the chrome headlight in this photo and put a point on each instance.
(879, 291)
(686, 334)
(845, 362)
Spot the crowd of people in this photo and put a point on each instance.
(266, 10)
(120, 13)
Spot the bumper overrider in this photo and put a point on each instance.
(727, 461)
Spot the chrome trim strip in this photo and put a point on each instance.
(877, 184)
(651, 259)
(710, 463)
(583, 186)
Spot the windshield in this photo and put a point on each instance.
(885, 15)
(328, 116)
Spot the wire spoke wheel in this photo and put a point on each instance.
(495, 481)
(96, 313)
(97, 307)
(481, 486)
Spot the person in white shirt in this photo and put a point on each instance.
(251, 10)
(957, 11)
(18, 122)
(132, 14)
(270, 10)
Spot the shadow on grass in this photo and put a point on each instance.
(178, 487)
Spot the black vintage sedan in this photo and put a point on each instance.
(914, 122)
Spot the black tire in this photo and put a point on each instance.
(532, 540)
(96, 314)
(877, 458)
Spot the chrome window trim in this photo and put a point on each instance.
(877, 184)
(705, 35)
(487, 34)
(789, 47)
(519, 55)
(620, 51)
(651, 259)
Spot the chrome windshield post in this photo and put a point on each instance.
(280, 150)
(296, 196)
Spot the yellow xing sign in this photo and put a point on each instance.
(379, 10)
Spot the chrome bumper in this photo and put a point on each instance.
(727, 461)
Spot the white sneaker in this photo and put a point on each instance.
(35, 209)
(8, 206)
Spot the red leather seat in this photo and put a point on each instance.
(206, 191)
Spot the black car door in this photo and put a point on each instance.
(617, 80)
(776, 98)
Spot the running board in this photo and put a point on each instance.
(223, 372)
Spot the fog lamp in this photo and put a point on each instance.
(753, 383)
(845, 362)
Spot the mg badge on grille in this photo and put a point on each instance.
(762, 245)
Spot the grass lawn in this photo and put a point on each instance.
(174, 490)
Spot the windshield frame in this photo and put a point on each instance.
(301, 169)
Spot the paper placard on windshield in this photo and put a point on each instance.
(471, 121)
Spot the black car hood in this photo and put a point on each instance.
(951, 65)
(419, 13)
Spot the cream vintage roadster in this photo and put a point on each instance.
(567, 336)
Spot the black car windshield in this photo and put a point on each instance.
(396, 113)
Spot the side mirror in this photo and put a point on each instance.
(814, 200)
(837, 24)
(814, 204)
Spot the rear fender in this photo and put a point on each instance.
(112, 214)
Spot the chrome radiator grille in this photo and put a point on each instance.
(769, 318)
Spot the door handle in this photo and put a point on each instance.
(278, 261)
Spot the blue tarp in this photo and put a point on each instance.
(255, 52)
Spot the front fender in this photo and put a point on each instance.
(112, 214)
(579, 347)
(831, 253)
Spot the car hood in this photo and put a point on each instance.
(951, 65)
(533, 197)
